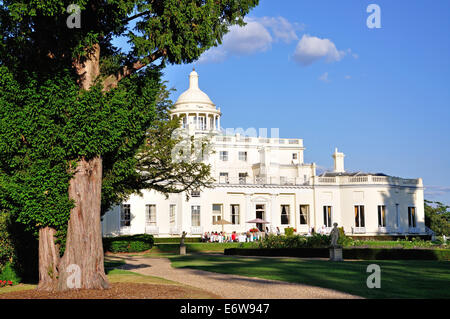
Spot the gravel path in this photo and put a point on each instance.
(229, 286)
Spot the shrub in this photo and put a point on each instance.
(128, 244)
(9, 274)
(18, 250)
(295, 241)
(288, 231)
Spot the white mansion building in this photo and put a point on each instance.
(266, 178)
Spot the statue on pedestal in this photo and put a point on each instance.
(334, 234)
(182, 245)
(335, 249)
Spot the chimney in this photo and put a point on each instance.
(338, 161)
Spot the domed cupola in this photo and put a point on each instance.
(195, 109)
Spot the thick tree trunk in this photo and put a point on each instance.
(82, 264)
(48, 259)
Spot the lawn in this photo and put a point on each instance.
(399, 279)
(124, 285)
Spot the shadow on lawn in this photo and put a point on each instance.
(399, 279)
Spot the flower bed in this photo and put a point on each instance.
(4, 283)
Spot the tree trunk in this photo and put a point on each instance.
(82, 264)
(48, 259)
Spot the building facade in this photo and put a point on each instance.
(266, 178)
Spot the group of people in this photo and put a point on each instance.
(223, 237)
(219, 237)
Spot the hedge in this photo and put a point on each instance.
(159, 240)
(128, 244)
(348, 253)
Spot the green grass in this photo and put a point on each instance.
(399, 279)
(171, 248)
(19, 287)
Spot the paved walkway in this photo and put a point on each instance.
(229, 286)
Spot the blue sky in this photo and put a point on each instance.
(315, 70)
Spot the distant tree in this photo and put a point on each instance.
(75, 109)
(437, 217)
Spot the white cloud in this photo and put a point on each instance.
(348, 77)
(281, 28)
(436, 191)
(311, 49)
(324, 77)
(256, 36)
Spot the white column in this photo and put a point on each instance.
(197, 126)
(187, 119)
(218, 122)
(248, 210)
(273, 213)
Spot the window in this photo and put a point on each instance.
(284, 214)
(201, 123)
(224, 156)
(223, 178)
(294, 156)
(195, 193)
(150, 214)
(235, 214)
(359, 216)
(242, 178)
(304, 214)
(397, 216)
(412, 217)
(216, 213)
(125, 215)
(172, 214)
(260, 213)
(243, 156)
(327, 214)
(195, 215)
(381, 216)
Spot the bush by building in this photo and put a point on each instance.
(128, 244)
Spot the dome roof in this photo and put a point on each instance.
(193, 95)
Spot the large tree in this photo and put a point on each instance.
(75, 109)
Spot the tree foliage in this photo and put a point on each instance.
(72, 103)
(437, 217)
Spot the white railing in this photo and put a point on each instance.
(358, 230)
(261, 140)
(259, 180)
(368, 179)
(174, 230)
(383, 230)
(125, 230)
(196, 230)
(151, 229)
(358, 179)
(327, 180)
(380, 179)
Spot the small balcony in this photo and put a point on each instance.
(358, 230)
(125, 230)
(196, 230)
(151, 229)
(174, 230)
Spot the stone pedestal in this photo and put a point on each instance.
(336, 253)
(182, 249)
